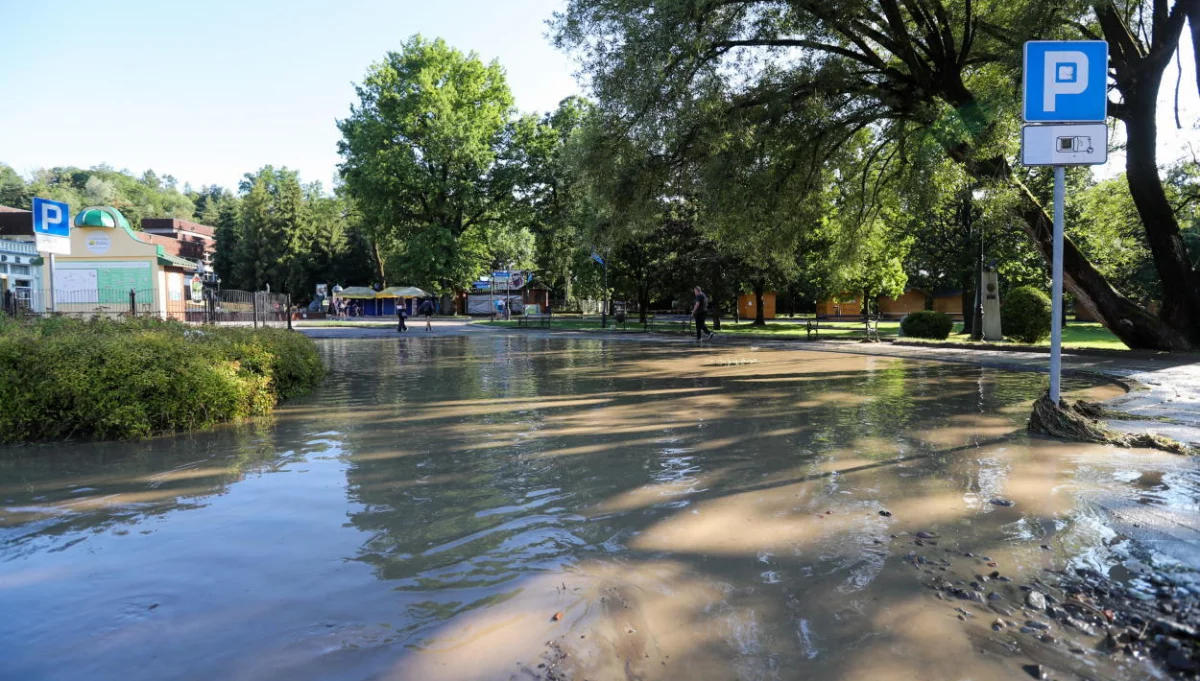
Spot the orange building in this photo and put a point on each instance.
(912, 300)
(746, 306)
(949, 302)
(844, 305)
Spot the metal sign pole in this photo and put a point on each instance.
(53, 293)
(1056, 301)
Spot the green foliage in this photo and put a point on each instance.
(927, 324)
(147, 196)
(778, 100)
(428, 160)
(62, 378)
(1025, 315)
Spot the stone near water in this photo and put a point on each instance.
(1036, 600)
(1003, 502)
(1181, 661)
(1037, 671)
(1034, 624)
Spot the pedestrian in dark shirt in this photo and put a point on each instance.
(700, 313)
(426, 311)
(402, 327)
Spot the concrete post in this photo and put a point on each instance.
(991, 307)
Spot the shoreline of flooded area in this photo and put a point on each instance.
(506, 507)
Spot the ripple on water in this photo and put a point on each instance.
(428, 512)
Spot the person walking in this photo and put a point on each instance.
(700, 313)
(426, 311)
(402, 327)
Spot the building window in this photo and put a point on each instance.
(20, 269)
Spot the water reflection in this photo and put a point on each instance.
(692, 514)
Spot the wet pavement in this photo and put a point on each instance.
(502, 506)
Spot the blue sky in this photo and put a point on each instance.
(207, 91)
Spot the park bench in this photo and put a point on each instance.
(538, 319)
(812, 328)
(684, 323)
(871, 328)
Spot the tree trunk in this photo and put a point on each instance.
(1180, 281)
(378, 257)
(968, 304)
(760, 318)
(1136, 327)
(1193, 17)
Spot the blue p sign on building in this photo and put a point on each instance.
(1066, 81)
(52, 226)
(51, 217)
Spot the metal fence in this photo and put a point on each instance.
(247, 308)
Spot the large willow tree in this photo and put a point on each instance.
(689, 76)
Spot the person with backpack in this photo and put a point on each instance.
(426, 311)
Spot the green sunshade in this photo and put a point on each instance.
(357, 292)
(101, 216)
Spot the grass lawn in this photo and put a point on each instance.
(1090, 335)
(1075, 334)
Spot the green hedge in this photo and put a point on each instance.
(101, 379)
(927, 324)
(1025, 315)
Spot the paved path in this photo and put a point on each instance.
(1164, 389)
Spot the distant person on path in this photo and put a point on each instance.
(700, 313)
(401, 327)
(426, 311)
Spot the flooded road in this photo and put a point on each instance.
(508, 507)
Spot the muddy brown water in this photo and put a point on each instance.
(528, 508)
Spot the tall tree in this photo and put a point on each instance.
(275, 236)
(422, 150)
(908, 70)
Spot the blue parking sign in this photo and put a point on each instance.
(52, 218)
(1066, 81)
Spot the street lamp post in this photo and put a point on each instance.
(977, 320)
(604, 299)
(603, 262)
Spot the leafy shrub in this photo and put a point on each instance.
(927, 324)
(62, 378)
(1025, 315)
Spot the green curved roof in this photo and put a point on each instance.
(101, 216)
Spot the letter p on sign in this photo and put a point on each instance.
(1065, 81)
(52, 215)
(1066, 74)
